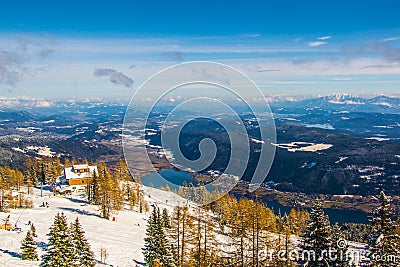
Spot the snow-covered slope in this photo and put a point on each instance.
(123, 238)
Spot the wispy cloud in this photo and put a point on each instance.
(253, 35)
(303, 61)
(291, 82)
(115, 77)
(45, 52)
(381, 66)
(388, 52)
(316, 43)
(322, 38)
(391, 39)
(267, 70)
(342, 79)
(19, 58)
(175, 55)
(11, 68)
(321, 41)
(383, 50)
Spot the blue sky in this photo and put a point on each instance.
(104, 48)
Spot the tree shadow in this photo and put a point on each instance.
(139, 263)
(81, 212)
(11, 253)
(78, 200)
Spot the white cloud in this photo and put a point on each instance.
(11, 67)
(71, 69)
(382, 66)
(322, 38)
(24, 101)
(317, 43)
(175, 55)
(292, 82)
(342, 79)
(391, 39)
(253, 35)
(322, 41)
(114, 76)
(19, 58)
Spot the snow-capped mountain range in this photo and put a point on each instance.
(350, 102)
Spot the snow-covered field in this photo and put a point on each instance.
(303, 146)
(40, 150)
(123, 238)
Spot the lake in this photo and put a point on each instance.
(335, 215)
(174, 178)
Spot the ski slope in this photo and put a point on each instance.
(123, 239)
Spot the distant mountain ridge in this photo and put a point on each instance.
(382, 103)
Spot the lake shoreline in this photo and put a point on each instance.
(279, 202)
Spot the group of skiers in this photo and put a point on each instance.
(45, 204)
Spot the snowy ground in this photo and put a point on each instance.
(123, 238)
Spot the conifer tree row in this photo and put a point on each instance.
(67, 246)
(384, 241)
(157, 251)
(59, 250)
(320, 245)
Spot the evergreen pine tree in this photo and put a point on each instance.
(149, 250)
(165, 218)
(59, 251)
(33, 230)
(384, 243)
(93, 189)
(340, 247)
(317, 241)
(84, 256)
(157, 249)
(166, 258)
(28, 247)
